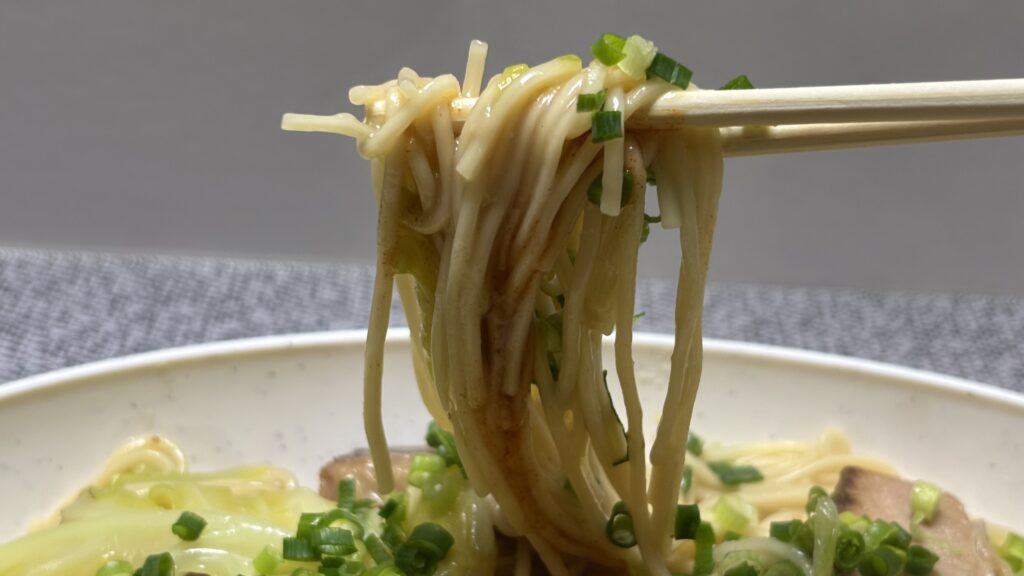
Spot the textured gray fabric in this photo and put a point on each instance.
(63, 309)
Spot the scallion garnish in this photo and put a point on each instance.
(740, 82)
(703, 559)
(784, 531)
(734, 513)
(694, 443)
(157, 565)
(426, 546)
(609, 49)
(687, 521)
(606, 125)
(189, 526)
(377, 549)
(883, 561)
(619, 528)
(115, 568)
(850, 549)
(394, 509)
(920, 560)
(266, 562)
(731, 475)
(336, 539)
(784, 568)
(815, 495)
(346, 493)
(924, 501)
(881, 533)
(298, 549)
(594, 193)
(591, 102)
(444, 442)
(1012, 550)
(670, 71)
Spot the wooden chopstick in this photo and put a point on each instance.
(760, 140)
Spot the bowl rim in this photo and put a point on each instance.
(56, 380)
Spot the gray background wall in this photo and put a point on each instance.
(153, 125)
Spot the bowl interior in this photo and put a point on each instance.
(295, 401)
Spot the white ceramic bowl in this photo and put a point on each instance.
(296, 401)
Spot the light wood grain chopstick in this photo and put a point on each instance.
(761, 140)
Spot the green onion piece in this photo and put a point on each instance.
(803, 538)
(888, 533)
(855, 521)
(694, 443)
(444, 442)
(687, 479)
(734, 513)
(298, 549)
(704, 560)
(606, 125)
(784, 531)
(1012, 550)
(307, 522)
(730, 536)
(670, 71)
(743, 569)
(158, 565)
(591, 102)
(377, 549)
(266, 562)
(920, 560)
(332, 559)
(346, 493)
(731, 475)
(393, 536)
(784, 568)
(305, 572)
(815, 495)
(424, 468)
(740, 82)
(639, 52)
(189, 526)
(435, 535)
(619, 528)
(394, 510)
(608, 50)
(594, 193)
(687, 521)
(353, 568)
(885, 561)
(336, 538)
(849, 548)
(351, 521)
(115, 568)
(924, 501)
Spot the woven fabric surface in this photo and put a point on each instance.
(63, 309)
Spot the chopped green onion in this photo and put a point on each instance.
(353, 522)
(734, 513)
(444, 442)
(305, 572)
(924, 501)
(849, 548)
(740, 82)
(784, 531)
(731, 475)
(393, 535)
(608, 50)
(115, 568)
(920, 560)
(189, 526)
(639, 52)
(784, 568)
(886, 533)
(606, 125)
(307, 522)
(694, 443)
(332, 558)
(803, 538)
(730, 536)
(334, 537)
(1012, 550)
(591, 102)
(670, 71)
(377, 549)
(687, 479)
(394, 510)
(884, 561)
(687, 521)
(298, 549)
(855, 521)
(353, 568)
(426, 546)
(346, 493)
(815, 495)
(424, 467)
(266, 562)
(704, 560)
(434, 535)
(619, 528)
(158, 565)
(743, 569)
